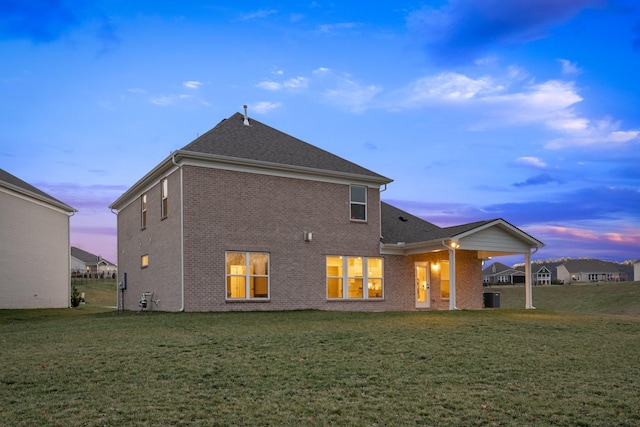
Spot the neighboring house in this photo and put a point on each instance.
(636, 272)
(541, 275)
(93, 266)
(34, 246)
(501, 274)
(246, 217)
(589, 270)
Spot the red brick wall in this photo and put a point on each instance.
(161, 241)
(238, 211)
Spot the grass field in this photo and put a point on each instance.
(92, 366)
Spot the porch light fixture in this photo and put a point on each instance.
(454, 245)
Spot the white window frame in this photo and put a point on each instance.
(164, 201)
(143, 211)
(247, 277)
(345, 279)
(358, 203)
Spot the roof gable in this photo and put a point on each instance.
(262, 143)
(406, 233)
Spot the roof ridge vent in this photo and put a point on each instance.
(246, 117)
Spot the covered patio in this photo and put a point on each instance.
(461, 249)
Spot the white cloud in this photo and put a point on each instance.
(447, 87)
(269, 85)
(533, 162)
(258, 14)
(352, 95)
(265, 107)
(192, 84)
(603, 134)
(515, 100)
(569, 67)
(293, 83)
(168, 100)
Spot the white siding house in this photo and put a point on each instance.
(34, 247)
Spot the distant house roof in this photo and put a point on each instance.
(497, 268)
(590, 266)
(258, 147)
(14, 183)
(87, 257)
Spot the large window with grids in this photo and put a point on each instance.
(247, 275)
(354, 277)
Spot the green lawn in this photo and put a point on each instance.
(501, 367)
(605, 298)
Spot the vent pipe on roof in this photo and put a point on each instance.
(246, 117)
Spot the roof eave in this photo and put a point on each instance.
(279, 167)
(534, 243)
(58, 204)
(180, 157)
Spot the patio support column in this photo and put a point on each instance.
(452, 279)
(527, 281)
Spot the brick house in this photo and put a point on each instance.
(34, 246)
(246, 217)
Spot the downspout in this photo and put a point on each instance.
(382, 190)
(452, 273)
(120, 291)
(69, 258)
(173, 160)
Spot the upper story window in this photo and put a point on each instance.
(164, 187)
(143, 211)
(247, 275)
(144, 261)
(358, 196)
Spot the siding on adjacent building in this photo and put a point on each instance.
(34, 254)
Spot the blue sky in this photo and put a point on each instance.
(478, 109)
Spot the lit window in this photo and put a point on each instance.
(445, 284)
(144, 261)
(143, 216)
(164, 187)
(363, 277)
(247, 275)
(358, 196)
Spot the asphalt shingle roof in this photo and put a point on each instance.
(590, 265)
(87, 257)
(257, 141)
(400, 226)
(14, 181)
